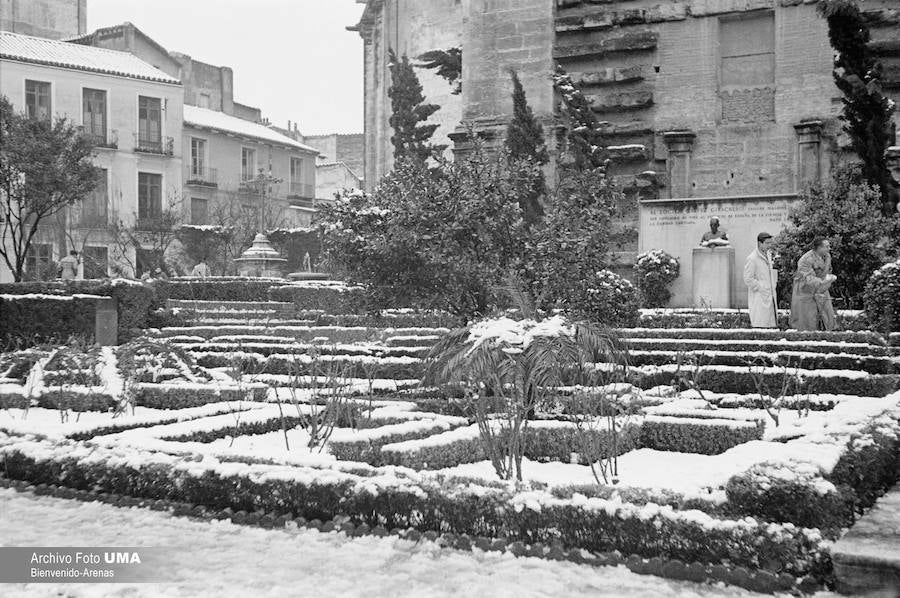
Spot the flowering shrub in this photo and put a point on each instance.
(609, 299)
(882, 297)
(654, 271)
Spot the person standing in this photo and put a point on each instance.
(810, 299)
(760, 278)
(201, 270)
(68, 266)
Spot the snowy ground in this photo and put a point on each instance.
(221, 560)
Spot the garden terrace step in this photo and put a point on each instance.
(342, 334)
(791, 359)
(741, 345)
(732, 379)
(232, 306)
(732, 318)
(354, 366)
(761, 334)
(867, 558)
(260, 321)
(412, 341)
(305, 348)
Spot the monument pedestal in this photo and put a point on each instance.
(712, 272)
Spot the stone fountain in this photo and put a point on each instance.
(261, 260)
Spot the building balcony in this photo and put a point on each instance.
(301, 191)
(164, 146)
(104, 139)
(151, 224)
(201, 177)
(92, 221)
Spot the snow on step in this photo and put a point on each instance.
(867, 558)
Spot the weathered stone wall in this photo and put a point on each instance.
(410, 27)
(53, 19)
(337, 147)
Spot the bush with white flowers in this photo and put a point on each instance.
(882, 297)
(654, 271)
(609, 299)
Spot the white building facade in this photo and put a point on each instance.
(134, 113)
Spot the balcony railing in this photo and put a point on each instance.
(108, 139)
(202, 177)
(150, 224)
(160, 145)
(299, 190)
(93, 221)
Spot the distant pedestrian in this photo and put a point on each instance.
(811, 306)
(760, 278)
(201, 270)
(68, 266)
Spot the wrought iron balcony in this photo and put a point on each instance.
(106, 139)
(93, 220)
(147, 144)
(151, 223)
(201, 177)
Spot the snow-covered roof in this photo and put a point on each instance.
(211, 119)
(37, 50)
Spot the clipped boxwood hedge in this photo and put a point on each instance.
(695, 435)
(647, 532)
(135, 300)
(333, 299)
(172, 396)
(35, 320)
(217, 288)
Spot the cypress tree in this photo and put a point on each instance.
(409, 111)
(525, 140)
(867, 111)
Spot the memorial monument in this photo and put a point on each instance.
(712, 268)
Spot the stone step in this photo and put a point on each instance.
(867, 558)
(232, 306)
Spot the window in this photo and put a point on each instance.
(248, 164)
(198, 157)
(149, 195)
(95, 207)
(37, 99)
(149, 123)
(93, 105)
(204, 100)
(296, 186)
(96, 262)
(747, 48)
(747, 67)
(38, 262)
(199, 210)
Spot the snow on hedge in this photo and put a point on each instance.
(517, 334)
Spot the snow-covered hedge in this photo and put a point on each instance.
(755, 345)
(724, 378)
(365, 445)
(335, 298)
(732, 318)
(794, 359)
(547, 440)
(697, 435)
(804, 494)
(215, 288)
(182, 395)
(356, 366)
(756, 334)
(393, 498)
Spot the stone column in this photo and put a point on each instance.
(680, 145)
(500, 35)
(809, 152)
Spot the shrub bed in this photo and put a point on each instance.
(763, 346)
(729, 379)
(218, 288)
(882, 298)
(335, 298)
(648, 531)
(36, 318)
(733, 319)
(88, 400)
(135, 300)
(396, 368)
(181, 396)
(697, 435)
(793, 359)
(756, 334)
(365, 445)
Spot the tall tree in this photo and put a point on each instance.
(585, 146)
(867, 111)
(525, 140)
(409, 113)
(45, 165)
(447, 64)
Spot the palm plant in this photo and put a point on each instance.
(507, 367)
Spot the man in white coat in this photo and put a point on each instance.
(760, 278)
